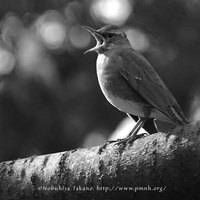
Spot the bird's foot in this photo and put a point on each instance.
(102, 147)
(122, 143)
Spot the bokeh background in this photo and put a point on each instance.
(50, 100)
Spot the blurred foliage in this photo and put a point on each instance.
(50, 100)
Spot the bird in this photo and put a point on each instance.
(130, 83)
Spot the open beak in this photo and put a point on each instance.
(99, 39)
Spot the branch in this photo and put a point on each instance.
(155, 167)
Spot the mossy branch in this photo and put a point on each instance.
(160, 166)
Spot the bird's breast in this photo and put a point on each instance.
(104, 65)
(115, 88)
(108, 74)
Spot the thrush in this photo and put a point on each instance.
(130, 83)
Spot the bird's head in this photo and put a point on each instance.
(107, 37)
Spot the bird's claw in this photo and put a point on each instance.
(122, 143)
(102, 147)
(135, 137)
(129, 140)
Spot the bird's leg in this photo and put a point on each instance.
(150, 126)
(132, 136)
(156, 127)
(137, 127)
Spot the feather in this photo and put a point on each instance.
(141, 76)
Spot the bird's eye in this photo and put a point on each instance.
(110, 35)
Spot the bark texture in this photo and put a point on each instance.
(160, 166)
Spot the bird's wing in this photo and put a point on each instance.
(141, 76)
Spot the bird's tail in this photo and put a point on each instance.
(176, 115)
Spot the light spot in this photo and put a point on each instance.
(29, 50)
(33, 60)
(51, 29)
(111, 11)
(53, 34)
(78, 37)
(195, 106)
(94, 139)
(138, 39)
(11, 28)
(7, 61)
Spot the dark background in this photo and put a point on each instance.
(50, 100)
